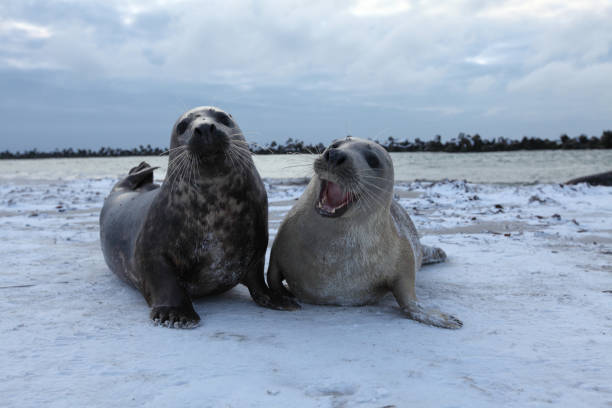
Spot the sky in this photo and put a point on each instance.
(118, 73)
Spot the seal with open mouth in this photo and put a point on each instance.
(347, 241)
(202, 232)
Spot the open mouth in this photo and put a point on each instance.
(333, 200)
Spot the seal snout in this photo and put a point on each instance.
(206, 138)
(335, 157)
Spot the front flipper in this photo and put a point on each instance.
(169, 301)
(263, 295)
(403, 290)
(432, 317)
(275, 280)
(175, 317)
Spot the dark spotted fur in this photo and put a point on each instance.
(191, 238)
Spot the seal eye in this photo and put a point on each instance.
(372, 160)
(182, 126)
(223, 119)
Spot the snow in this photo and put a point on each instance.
(529, 274)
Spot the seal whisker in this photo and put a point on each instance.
(197, 173)
(237, 161)
(372, 197)
(369, 175)
(242, 154)
(178, 165)
(190, 171)
(179, 176)
(228, 157)
(180, 150)
(303, 165)
(241, 145)
(171, 150)
(371, 200)
(190, 174)
(370, 183)
(233, 160)
(241, 148)
(316, 152)
(243, 157)
(173, 166)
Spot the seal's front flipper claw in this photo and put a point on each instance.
(175, 317)
(263, 295)
(276, 301)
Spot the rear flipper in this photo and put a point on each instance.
(139, 178)
(432, 255)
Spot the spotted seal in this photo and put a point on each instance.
(203, 231)
(347, 241)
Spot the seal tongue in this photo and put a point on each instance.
(334, 195)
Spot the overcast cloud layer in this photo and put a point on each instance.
(118, 73)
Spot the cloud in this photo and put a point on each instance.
(449, 62)
(569, 83)
(27, 64)
(25, 29)
(543, 9)
(412, 47)
(378, 8)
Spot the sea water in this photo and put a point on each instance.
(544, 166)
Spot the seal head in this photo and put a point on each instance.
(353, 175)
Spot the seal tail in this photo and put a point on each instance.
(138, 178)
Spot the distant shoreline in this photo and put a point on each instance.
(463, 143)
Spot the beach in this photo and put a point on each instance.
(529, 273)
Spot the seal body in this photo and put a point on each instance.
(347, 242)
(203, 231)
(599, 179)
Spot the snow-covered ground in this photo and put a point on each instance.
(529, 273)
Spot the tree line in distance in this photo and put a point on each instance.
(463, 143)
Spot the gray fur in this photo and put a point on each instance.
(355, 258)
(203, 231)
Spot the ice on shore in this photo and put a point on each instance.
(529, 274)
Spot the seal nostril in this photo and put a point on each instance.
(204, 130)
